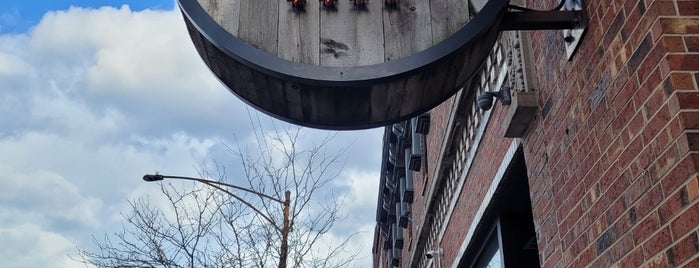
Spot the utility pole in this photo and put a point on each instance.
(284, 254)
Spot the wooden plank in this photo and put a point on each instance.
(394, 101)
(350, 107)
(308, 103)
(407, 29)
(379, 101)
(448, 16)
(470, 61)
(234, 72)
(258, 24)
(197, 40)
(299, 34)
(424, 90)
(351, 36)
(225, 12)
(293, 97)
(237, 78)
(343, 37)
(414, 95)
(449, 81)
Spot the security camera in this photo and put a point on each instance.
(431, 253)
(485, 100)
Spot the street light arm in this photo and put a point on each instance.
(218, 183)
(242, 201)
(287, 223)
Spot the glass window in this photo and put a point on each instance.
(496, 260)
(491, 254)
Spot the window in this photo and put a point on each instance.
(491, 255)
(505, 236)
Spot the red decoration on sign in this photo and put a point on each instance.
(297, 3)
(329, 3)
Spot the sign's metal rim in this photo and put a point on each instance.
(356, 76)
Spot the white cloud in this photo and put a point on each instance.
(45, 198)
(364, 187)
(93, 185)
(95, 131)
(107, 169)
(41, 213)
(358, 247)
(30, 246)
(140, 63)
(14, 66)
(91, 99)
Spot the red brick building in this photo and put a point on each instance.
(595, 163)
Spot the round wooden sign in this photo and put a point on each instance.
(343, 66)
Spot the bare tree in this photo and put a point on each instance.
(204, 227)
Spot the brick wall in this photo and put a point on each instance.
(422, 182)
(491, 151)
(439, 120)
(613, 156)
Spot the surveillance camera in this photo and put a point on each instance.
(431, 253)
(485, 100)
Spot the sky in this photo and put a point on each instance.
(95, 94)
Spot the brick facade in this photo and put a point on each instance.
(612, 156)
(616, 171)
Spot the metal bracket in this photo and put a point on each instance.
(543, 20)
(569, 16)
(572, 37)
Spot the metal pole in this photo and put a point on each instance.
(285, 231)
(222, 183)
(245, 203)
(286, 228)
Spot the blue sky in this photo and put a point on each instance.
(17, 16)
(93, 97)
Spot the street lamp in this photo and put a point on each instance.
(284, 230)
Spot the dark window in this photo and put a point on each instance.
(491, 254)
(505, 236)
